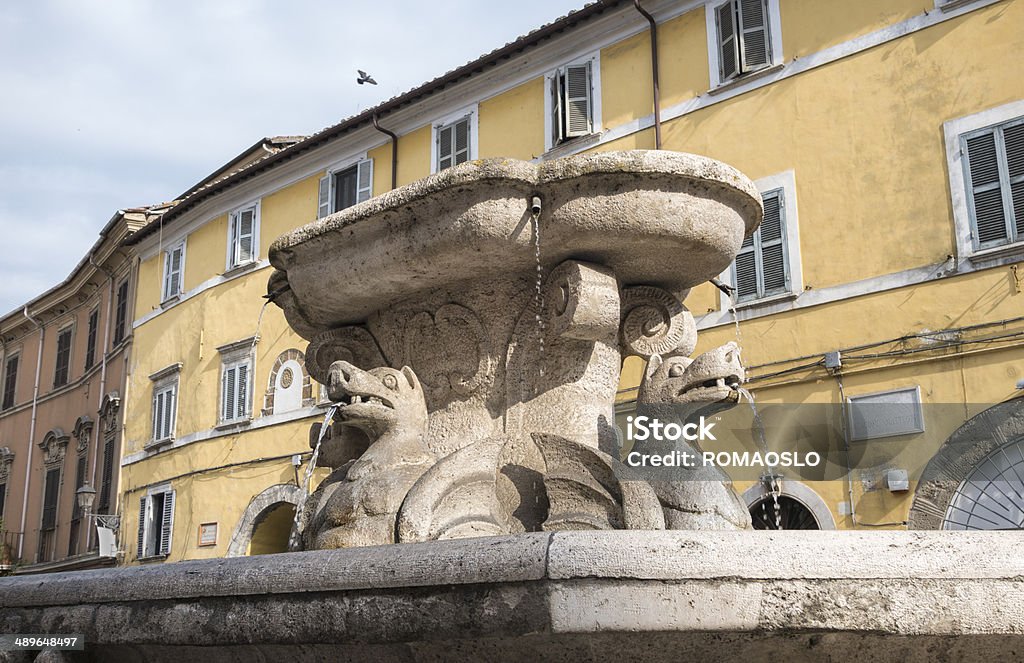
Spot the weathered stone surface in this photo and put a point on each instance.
(589, 596)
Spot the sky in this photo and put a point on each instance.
(109, 104)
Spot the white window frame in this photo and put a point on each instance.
(233, 356)
(165, 294)
(233, 216)
(597, 124)
(791, 243)
(473, 112)
(165, 382)
(953, 130)
(329, 177)
(774, 40)
(151, 534)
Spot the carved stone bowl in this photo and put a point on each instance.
(659, 218)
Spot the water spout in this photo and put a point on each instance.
(325, 427)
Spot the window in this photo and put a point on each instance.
(165, 402)
(156, 522)
(994, 177)
(768, 263)
(345, 186)
(90, 343)
(60, 372)
(236, 380)
(235, 392)
(76, 512)
(243, 239)
(121, 317)
(571, 90)
(744, 36)
(3, 498)
(51, 490)
(174, 264)
(761, 265)
(453, 144)
(10, 382)
(103, 503)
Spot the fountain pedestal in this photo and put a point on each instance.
(580, 596)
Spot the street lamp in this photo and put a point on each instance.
(85, 495)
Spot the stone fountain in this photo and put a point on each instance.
(470, 329)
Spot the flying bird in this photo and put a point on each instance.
(365, 78)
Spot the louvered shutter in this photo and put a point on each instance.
(987, 196)
(728, 44)
(172, 272)
(242, 396)
(158, 415)
(1013, 141)
(228, 390)
(444, 148)
(167, 523)
(169, 405)
(364, 180)
(245, 233)
(557, 128)
(578, 101)
(774, 270)
(140, 551)
(108, 475)
(324, 200)
(746, 271)
(461, 131)
(754, 41)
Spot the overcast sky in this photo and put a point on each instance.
(110, 104)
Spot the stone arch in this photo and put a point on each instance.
(800, 492)
(259, 508)
(289, 387)
(957, 457)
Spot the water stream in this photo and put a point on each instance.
(539, 290)
(325, 427)
(770, 478)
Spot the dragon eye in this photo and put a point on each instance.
(391, 382)
(676, 371)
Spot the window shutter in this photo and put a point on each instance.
(243, 391)
(158, 415)
(774, 270)
(108, 474)
(140, 551)
(228, 409)
(444, 148)
(746, 272)
(461, 131)
(1013, 140)
(167, 523)
(324, 201)
(169, 397)
(364, 178)
(728, 48)
(246, 232)
(987, 197)
(755, 52)
(578, 102)
(557, 129)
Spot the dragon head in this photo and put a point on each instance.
(713, 377)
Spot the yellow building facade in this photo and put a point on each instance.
(874, 130)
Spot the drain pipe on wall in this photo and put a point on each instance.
(103, 385)
(654, 70)
(32, 428)
(394, 150)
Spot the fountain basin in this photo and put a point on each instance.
(643, 596)
(658, 218)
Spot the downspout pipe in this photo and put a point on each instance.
(654, 70)
(31, 429)
(394, 150)
(103, 383)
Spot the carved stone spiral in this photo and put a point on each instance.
(352, 344)
(654, 322)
